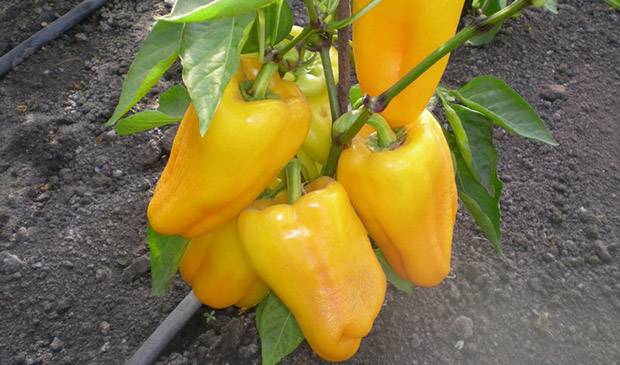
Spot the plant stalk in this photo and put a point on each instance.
(312, 14)
(261, 34)
(263, 79)
(332, 91)
(344, 54)
(293, 180)
(344, 139)
(287, 46)
(385, 135)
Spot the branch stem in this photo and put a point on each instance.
(293, 180)
(332, 91)
(260, 18)
(344, 55)
(263, 79)
(312, 14)
(285, 47)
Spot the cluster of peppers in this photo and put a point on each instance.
(314, 253)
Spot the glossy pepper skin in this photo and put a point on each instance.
(392, 39)
(219, 271)
(311, 81)
(316, 256)
(209, 180)
(407, 199)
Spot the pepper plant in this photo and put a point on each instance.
(281, 169)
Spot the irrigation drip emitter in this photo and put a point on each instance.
(167, 330)
(18, 54)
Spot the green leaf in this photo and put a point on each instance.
(483, 206)
(552, 5)
(174, 101)
(166, 253)
(172, 106)
(356, 95)
(613, 3)
(278, 330)
(486, 37)
(143, 121)
(195, 11)
(278, 25)
(505, 107)
(489, 8)
(210, 54)
(479, 132)
(158, 53)
(398, 282)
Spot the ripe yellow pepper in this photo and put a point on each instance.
(407, 198)
(209, 180)
(219, 271)
(316, 256)
(392, 39)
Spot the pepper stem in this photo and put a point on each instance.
(293, 180)
(260, 18)
(344, 139)
(332, 91)
(385, 135)
(284, 47)
(312, 14)
(261, 84)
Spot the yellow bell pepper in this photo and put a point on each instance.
(407, 198)
(315, 255)
(392, 39)
(219, 271)
(209, 180)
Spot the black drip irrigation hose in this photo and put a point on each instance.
(167, 330)
(15, 56)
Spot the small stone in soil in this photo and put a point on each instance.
(81, 37)
(552, 92)
(57, 344)
(148, 153)
(602, 251)
(104, 327)
(105, 347)
(103, 274)
(138, 267)
(10, 262)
